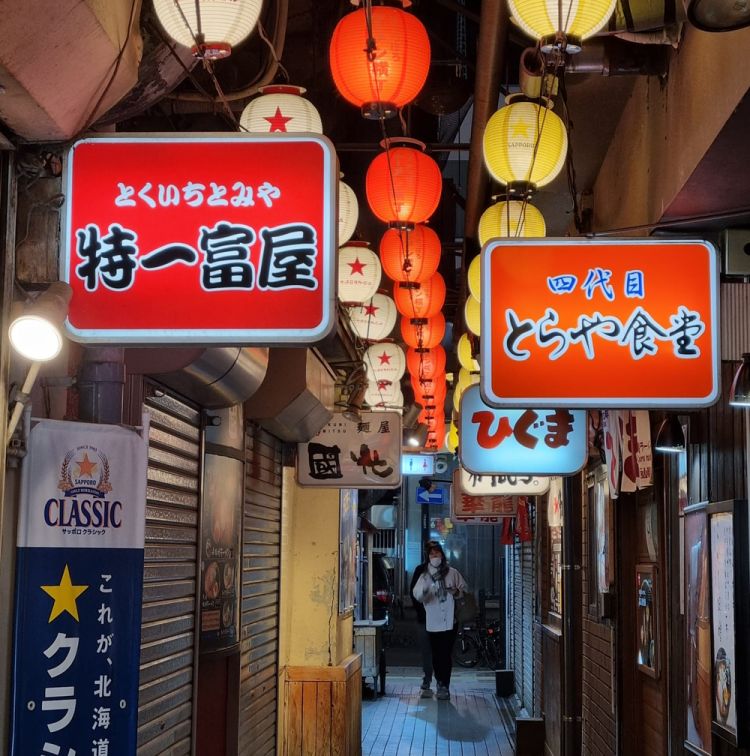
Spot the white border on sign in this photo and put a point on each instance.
(208, 336)
(583, 402)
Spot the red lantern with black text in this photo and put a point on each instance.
(381, 68)
(420, 300)
(427, 363)
(423, 334)
(410, 256)
(403, 185)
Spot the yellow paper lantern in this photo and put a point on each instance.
(465, 379)
(223, 23)
(510, 219)
(473, 315)
(577, 19)
(474, 278)
(465, 357)
(451, 438)
(525, 145)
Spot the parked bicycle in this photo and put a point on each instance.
(479, 643)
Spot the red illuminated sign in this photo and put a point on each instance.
(201, 239)
(599, 323)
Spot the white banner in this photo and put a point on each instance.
(83, 486)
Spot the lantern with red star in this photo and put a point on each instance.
(281, 109)
(403, 185)
(373, 320)
(385, 361)
(423, 333)
(420, 300)
(359, 272)
(411, 256)
(384, 394)
(379, 64)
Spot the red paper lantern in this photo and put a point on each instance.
(410, 256)
(423, 334)
(382, 79)
(403, 184)
(420, 300)
(427, 363)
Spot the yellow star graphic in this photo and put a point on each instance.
(65, 596)
(520, 129)
(86, 466)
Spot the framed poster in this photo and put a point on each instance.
(647, 619)
(348, 516)
(727, 526)
(698, 631)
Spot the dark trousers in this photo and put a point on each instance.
(426, 649)
(441, 645)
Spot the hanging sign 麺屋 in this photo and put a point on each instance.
(599, 323)
(216, 238)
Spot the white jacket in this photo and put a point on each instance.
(439, 614)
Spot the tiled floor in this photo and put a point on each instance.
(400, 723)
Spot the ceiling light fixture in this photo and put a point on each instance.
(739, 394)
(418, 436)
(36, 329)
(670, 437)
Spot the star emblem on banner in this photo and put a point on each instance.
(64, 595)
(385, 358)
(278, 121)
(86, 466)
(357, 267)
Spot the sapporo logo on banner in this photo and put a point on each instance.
(86, 505)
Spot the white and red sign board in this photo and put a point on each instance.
(492, 484)
(600, 323)
(486, 510)
(200, 239)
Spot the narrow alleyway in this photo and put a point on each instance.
(400, 723)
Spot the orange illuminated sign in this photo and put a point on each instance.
(599, 323)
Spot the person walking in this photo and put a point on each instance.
(424, 638)
(437, 588)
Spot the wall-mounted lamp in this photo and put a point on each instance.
(35, 333)
(739, 394)
(418, 437)
(670, 437)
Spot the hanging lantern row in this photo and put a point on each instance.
(510, 219)
(410, 255)
(281, 109)
(426, 363)
(424, 333)
(385, 361)
(209, 29)
(420, 300)
(380, 66)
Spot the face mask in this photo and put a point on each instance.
(436, 561)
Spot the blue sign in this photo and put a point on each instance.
(78, 591)
(520, 442)
(433, 496)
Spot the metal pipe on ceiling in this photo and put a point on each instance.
(493, 33)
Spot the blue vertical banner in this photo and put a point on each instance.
(79, 583)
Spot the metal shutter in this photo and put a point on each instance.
(261, 556)
(165, 696)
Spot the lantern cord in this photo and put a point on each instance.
(209, 66)
(197, 17)
(262, 34)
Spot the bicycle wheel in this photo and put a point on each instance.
(466, 651)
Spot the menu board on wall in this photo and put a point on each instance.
(722, 615)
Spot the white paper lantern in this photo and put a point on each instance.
(373, 320)
(348, 212)
(385, 362)
(380, 396)
(224, 23)
(359, 272)
(280, 108)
